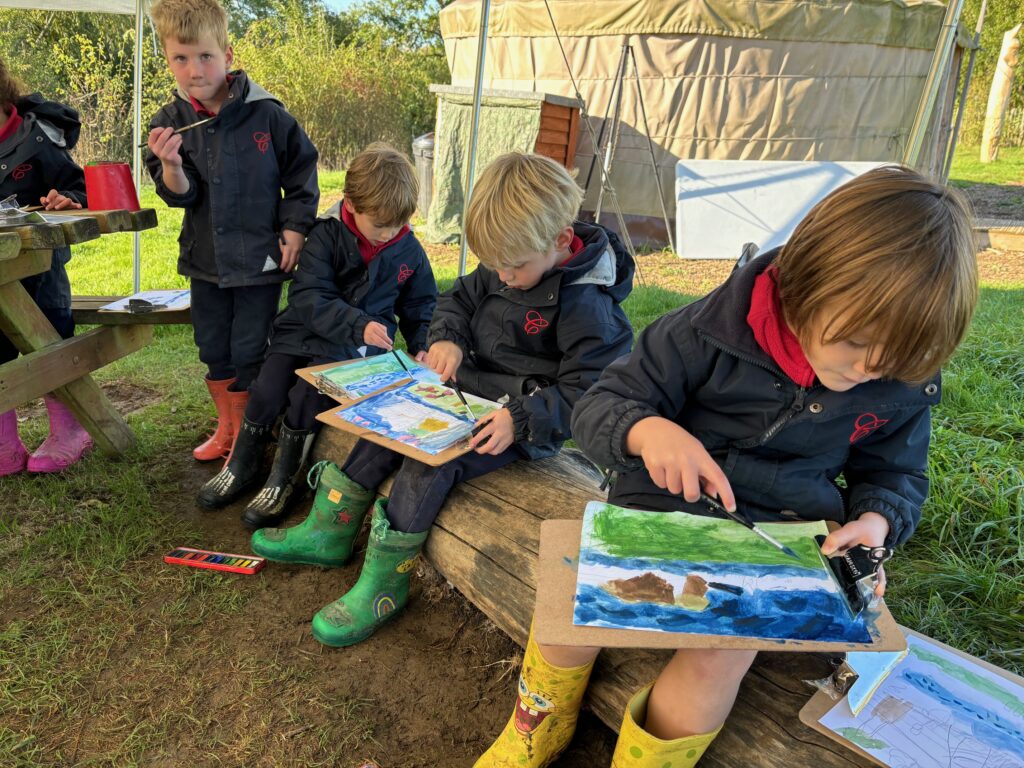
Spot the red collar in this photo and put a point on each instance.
(11, 125)
(197, 105)
(771, 332)
(367, 249)
(575, 246)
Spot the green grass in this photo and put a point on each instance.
(78, 552)
(968, 169)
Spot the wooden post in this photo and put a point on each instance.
(999, 95)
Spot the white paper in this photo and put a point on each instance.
(171, 300)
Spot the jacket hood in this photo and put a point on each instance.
(603, 261)
(722, 314)
(59, 122)
(240, 89)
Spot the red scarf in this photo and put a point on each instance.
(11, 125)
(367, 249)
(575, 246)
(771, 332)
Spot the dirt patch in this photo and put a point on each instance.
(126, 398)
(997, 201)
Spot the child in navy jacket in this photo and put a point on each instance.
(35, 167)
(815, 360)
(240, 237)
(533, 326)
(355, 276)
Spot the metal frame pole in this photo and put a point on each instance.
(963, 93)
(137, 138)
(481, 51)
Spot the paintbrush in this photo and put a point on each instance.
(742, 520)
(451, 383)
(184, 128)
(398, 357)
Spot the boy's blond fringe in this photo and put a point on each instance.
(187, 21)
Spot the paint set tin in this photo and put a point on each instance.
(216, 561)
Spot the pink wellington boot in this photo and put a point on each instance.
(67, 443)
(12, 453)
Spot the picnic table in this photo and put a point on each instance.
(49, 363)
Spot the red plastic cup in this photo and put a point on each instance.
(109, 187)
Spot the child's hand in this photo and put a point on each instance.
(291, 247)
(376, 335)
(55, 201)
(497, 430)
(870, 529)
(444, 359)
(677, 461)
(421, 356)
(165, 144)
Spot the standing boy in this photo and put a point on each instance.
(356, 275)
(533, 326)
(240, 238)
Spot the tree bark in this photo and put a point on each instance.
(999, 95)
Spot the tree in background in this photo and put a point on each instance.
(1000, 16)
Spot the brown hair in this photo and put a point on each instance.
(10, 88)
(891, 255)
(189, 20)
(519, 205)
(381, 182)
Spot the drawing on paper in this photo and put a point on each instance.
(938, 709)
(362, 377)
(676, 572)
(423, 414)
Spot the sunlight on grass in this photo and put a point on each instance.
(968, 169)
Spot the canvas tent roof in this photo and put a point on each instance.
(82, 6)
(720, 79)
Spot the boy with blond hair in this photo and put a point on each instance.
(533, 327)
(356, 275)
(815, 360)
(240, 237)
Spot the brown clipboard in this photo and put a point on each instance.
(309, 375)
(556, 591)
(821, 703)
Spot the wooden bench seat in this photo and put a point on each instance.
(485, 544)
(85, 310)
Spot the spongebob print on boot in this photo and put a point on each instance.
(327, 534)
(547, 707)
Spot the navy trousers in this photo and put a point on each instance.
(231, 327)
(419, 489)
(277, 387)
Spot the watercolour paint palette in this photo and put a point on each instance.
(937, 707)
(215, 561)
(651, 580)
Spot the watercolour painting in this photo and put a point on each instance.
(423, 415)
(937, 708)
(676, 572)
(370, 374)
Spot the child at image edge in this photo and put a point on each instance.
(35, 138)
(534, 325)
(240, 238)
(815, 360)
(355, 275)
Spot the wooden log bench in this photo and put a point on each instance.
(485, 544)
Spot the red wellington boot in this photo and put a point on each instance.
(219, 444)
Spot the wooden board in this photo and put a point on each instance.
(24, 264)
(85, 310)
(113, 221)
(41, 236)
(33, 375)
(485, 542)
(559, 558)
(10, 245)
(821, 703)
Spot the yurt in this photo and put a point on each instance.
(719, 79)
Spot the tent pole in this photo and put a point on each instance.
(963, 93)
(481, 50)
(137, 138)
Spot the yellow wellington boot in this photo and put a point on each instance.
(545, 716)
(636, 748)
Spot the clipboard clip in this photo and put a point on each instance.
(856, 570)
(142, 307)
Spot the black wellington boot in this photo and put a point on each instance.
(241, 472)
(271, 505)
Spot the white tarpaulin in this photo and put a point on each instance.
(81, 6)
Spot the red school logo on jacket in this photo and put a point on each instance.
(535, 322)
(865, 424)
(19, 173)
(404, 273)
(262, 140)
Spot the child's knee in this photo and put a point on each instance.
(715, 665)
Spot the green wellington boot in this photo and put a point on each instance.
(381, 591)
(326, 536)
